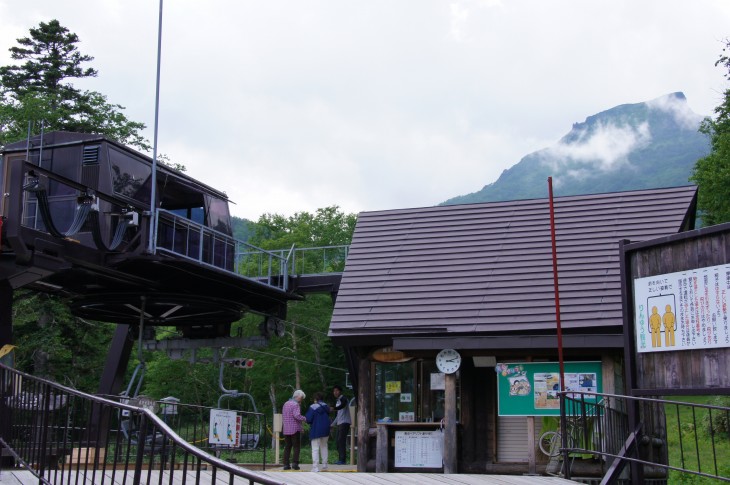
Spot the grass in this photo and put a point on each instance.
(690, 443)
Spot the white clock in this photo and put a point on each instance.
(448, 361)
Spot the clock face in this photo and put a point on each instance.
(448, 361)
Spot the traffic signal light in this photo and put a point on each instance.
(243, 363)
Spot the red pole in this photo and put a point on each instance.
(555, 283)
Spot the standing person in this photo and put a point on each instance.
(342, 423)
(292, 419)
(319, 430)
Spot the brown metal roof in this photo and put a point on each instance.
(485, 268)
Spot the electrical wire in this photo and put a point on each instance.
(295, 359)
(305, 327)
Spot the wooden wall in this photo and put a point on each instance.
(701, 370)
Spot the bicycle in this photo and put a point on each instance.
(551, 442)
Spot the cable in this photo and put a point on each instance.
(304, 326)
(295, 359)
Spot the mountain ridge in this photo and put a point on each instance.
(644, 145)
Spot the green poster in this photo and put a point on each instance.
(531, 388)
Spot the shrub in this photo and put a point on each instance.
(720, 418)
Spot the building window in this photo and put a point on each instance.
(409, 391)
(394, 394)
(432, 403)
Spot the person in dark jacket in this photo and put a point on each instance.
(319, 430)
(342, 423)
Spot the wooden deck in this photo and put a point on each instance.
(24, 477)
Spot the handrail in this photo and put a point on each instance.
(603, 429)
(24, 431)
(214, 248)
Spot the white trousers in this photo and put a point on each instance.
(319, 447)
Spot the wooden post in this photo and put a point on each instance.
(353, 432)
(363, 413)
(381, 450)
(531, 464)
(608, 374)
(278, 425)
(450, 445)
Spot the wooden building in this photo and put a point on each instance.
(478, 279)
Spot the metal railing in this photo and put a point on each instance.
(194, 241)
(673, 437)
(183, 237)
(63, 435)
(311, 261)
(192, 423)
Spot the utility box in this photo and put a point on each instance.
(168, 405)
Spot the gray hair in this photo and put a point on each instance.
(298, 393)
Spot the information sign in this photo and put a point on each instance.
(419, 449)
(392, 387)
(682, 311)
(225, 428)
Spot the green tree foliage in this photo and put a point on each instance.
(712, 173)
(54, 344)
(38, 89)
(327, 227)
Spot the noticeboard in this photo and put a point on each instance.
(419, 449)
(531, 388)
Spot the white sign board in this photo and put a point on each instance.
(438, 381)
(419, 449)
(224, 428)
(682, 311)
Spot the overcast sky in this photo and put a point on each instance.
(293, 105)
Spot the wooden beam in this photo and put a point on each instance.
(501, 342)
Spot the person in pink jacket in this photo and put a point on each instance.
(292, 420)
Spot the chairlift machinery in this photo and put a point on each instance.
(76, 219)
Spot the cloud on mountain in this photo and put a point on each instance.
(601, 148)
(677, 106)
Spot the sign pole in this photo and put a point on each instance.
(555, 283)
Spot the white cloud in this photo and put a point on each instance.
(679, 109)
(604, 147)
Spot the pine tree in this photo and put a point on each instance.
(39, 89)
